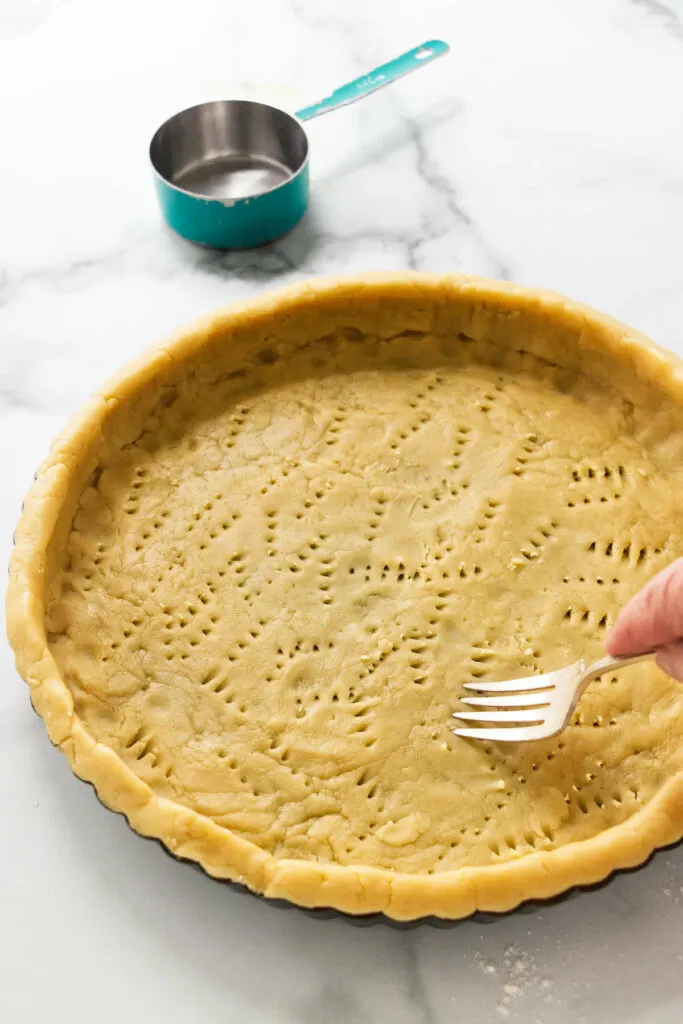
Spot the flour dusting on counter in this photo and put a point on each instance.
(517, 976)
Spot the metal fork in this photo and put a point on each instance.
(536, 707)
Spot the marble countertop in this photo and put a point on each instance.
(548, 149)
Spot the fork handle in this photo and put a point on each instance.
(607, 664)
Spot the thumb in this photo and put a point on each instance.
(654, 617)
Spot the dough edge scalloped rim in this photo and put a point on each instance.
(192, 836)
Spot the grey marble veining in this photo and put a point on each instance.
(548, 149)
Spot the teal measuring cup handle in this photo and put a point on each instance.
(385, 74)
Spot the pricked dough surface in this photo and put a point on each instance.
(267, 601)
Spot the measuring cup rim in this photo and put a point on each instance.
(203, 197)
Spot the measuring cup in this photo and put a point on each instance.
(233, 174)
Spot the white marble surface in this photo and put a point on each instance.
(547, 148)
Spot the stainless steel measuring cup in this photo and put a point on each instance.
(233, 174)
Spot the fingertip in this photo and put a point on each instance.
(670, 660)
(627, 637)
(613, 645)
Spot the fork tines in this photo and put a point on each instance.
(517, 703)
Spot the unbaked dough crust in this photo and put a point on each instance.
(369, 394)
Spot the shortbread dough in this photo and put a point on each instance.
(262, 564)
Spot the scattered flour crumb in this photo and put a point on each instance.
(518, 976)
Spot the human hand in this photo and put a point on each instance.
(654, 618)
